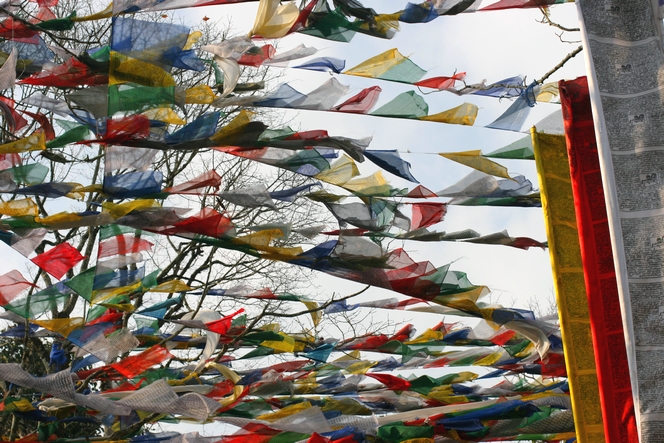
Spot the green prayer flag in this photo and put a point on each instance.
(406, 105)
(83, 283)
(73, 135)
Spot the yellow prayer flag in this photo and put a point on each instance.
(489, 359)
(274, 20)
(106, 13)
(464, 114)
(234, 128)
(441, 391)
(60, 217)
(316, 316)
(474, 159)
(285, 345)
(259, 239)
(104, 295)
(340, 172)
(96, 187)
(360, 367)
(426, 336)
(378, 65)
(20, 207)
(360, 184)
(192, 39)
(22, 405)
(166, 115)
(199, 95)
(394, 17)
(118, 210)
(77, 192)
(34, 142)
(285, 412)
(569, 283)
(547, 92)
(280, 254)
(63, 326)
(348, 356)
(69, 220)
(448, 399)
(171, 286)
(125, 69)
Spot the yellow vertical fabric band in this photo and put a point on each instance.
(569, 283)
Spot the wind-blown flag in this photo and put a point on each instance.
(474, 159)
(123, 244)
(12, 284)
(58, 260)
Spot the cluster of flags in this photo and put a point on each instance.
(123, 107)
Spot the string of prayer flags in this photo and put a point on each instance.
(406, 105)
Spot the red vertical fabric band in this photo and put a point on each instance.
(601, 287)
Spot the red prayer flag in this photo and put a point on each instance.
(252, 433)
(360, 103)
(370, 343)
(46, 126)
(301, 21)
(403, 334)
(223, 325)
(316, 134)
(15, 121)
(121, 130)
(220, 390)
(134, 365)
(263, 294)
(9, 160)
(258, 58)
(110, 316)
(70, 74)
(421, 192)
(427, 214)
(11, 284)
(122, 244)
(126, 386)
(197, 185)
(503, 338)
(393, 383)
(58, 260)
(598, 268)
(317, 438)
(206, 222)
(441, 83)
(11, 29)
